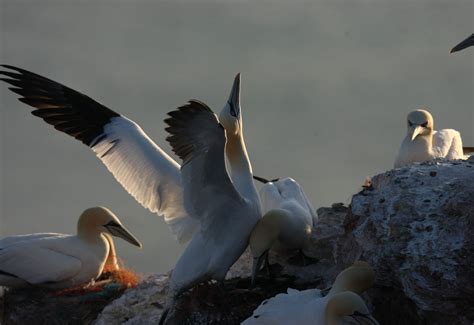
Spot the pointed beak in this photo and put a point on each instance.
(466, 43)
(234, 97)
(117, 230)
(256, 266)
(264, 180)
(416, 131)
(260, 179)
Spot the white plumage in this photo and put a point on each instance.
(423, 143)
(226, 213)
(293, 307)
(309, 307)
(60, 260)
(286, 224)
(150, 175)
(287, 194)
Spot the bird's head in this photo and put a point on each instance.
(102, 220)
(357, 278)
(419, 123)
(230, 116)
(264, 236)
(347, 304)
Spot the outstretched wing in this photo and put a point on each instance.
(151, 176)
(199, 140)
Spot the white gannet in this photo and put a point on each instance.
(469, 41)
(423, 143)
(287, 221)
(111, 262)
(227, 211)
(144, 170)
(310, 307)
(60, 261)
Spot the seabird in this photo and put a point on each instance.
(146, 172)
(286, 224)
(423, 143)
(464, 44)
(59, 261)
(227, 210)
(342, 303)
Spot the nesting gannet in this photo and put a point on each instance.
(310, 307)
(464, 44)
(226, 209)
(423, 143)
(287, 221)
(60, 261)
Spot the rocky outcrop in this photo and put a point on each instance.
(414, 225)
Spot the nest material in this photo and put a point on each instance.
(79, 305)
(233, 302)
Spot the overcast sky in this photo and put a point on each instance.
(326, 87)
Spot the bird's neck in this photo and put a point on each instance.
(111, 264)
(88, 233)
(421, 147)
(240, 167)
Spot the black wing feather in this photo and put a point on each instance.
(67, 110)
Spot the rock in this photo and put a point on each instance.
(415, 226)
(140, 305)
(79, 305)
(206, 303)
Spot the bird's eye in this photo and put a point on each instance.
(424, 124)
(410, 123)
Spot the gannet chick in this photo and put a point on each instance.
(464, 44)
(59, 261)
(423, 143)
(310, 307)
(226, 210)
(286, 224)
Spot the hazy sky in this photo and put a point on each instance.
(326, 89)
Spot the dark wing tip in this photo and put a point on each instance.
(67, 110)
(182, 134)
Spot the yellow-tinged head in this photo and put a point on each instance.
(347, 304)
(419, 123)
(357, 278)
(98, 220)
(230, 116)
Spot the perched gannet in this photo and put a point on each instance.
(151, 176)
(464, 44)
(423, 143)
(310, 307)
(226, 209)
(287, 221)
(60, 261)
